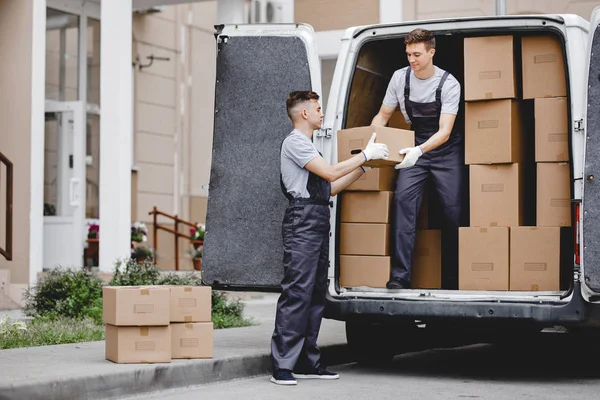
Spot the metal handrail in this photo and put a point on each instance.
(7, 250)
(156, 226)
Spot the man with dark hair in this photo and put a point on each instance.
(308, 182)
(429, 98)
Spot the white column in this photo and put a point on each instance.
(115, 131)
(390, 11)
(38, 93)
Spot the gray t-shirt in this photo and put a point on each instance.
(297, 150)
(423, 91)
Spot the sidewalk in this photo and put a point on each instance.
(80, 371)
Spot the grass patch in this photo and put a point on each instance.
(45, 332)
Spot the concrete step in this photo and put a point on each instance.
(6, 303)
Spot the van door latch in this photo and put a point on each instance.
(578, 125)
(326, 133)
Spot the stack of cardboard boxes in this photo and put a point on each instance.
(504, 249)
(153, 324)
(366, 213)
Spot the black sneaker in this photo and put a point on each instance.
(283, 377)
(317, 374)
(397, 284)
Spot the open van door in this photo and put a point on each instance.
(257, 67)
(591, 183)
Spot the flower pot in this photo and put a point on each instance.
(197, 264)
(197, 244)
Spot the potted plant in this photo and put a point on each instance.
(197, 236)
(93, 232)
(141, 254)
(139, 232)
(197, 259)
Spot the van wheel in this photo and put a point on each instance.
(372, 344)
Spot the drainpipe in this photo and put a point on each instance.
(500, 7)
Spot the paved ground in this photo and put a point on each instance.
(554, 369)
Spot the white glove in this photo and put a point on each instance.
(411, 157)
(375, 151)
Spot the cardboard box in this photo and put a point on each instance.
(398, 121)
(370, 271)
(364, 239)
(489, 68)
(353, 141)
(376, 179)
(494, 132)
(553, 194)
(370, 207)
(483, 258)
(131, 345)
(136, 305)
(192, 340)
(496, 197)
(543, 67)
(534, 258)
(551, 130)
(191, 303)
(426, 272)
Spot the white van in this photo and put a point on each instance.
(258, 65)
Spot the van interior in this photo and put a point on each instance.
(375, 64)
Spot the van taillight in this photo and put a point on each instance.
(576, 232)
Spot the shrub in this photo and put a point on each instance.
(65, 293)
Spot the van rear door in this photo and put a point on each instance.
(590, 219)
(257, 67)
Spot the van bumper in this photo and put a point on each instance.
(577, 312)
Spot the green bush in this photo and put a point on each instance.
(65, 293)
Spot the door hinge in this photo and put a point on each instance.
(578, 125)
(326, 133)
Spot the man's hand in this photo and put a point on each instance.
(412, 154)
(376, 151)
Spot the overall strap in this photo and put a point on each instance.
(438, 91)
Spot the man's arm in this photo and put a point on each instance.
(383, 116)
(442, 135)
(332, 173)
(345, 181)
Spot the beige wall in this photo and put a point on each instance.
(429, 9)
(15, 114)
(336, 14)
(174, 118)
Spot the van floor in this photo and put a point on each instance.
(376, 62)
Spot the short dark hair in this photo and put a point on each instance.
(297, 97)
(421, 35)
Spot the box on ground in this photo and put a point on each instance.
(133, 344)
(535, 258)
(364, 239)
(553, 194)
(371, 207)
(551, 130)
(426, 272)
(543, 67)
(376, 179)
(494, 132)
(489, 68)
(136, 305)
(496, 197)
(191, 303)
(483, 258)
(370, 271)
(192, 340)
(352, 141)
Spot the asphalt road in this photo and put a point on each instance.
(548, 367)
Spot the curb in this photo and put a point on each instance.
(162, 377)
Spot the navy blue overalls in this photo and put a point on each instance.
(305, 262)
(445, 167)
